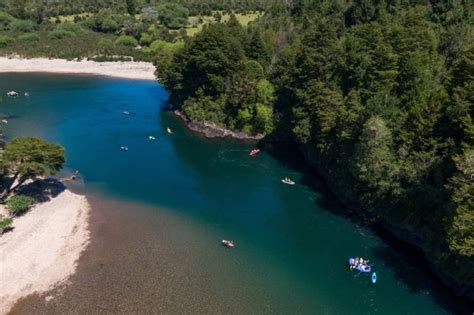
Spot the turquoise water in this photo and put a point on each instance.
(292, 246)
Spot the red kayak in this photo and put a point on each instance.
(228, 244)
(254, 152)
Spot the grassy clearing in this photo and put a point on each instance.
(69, 18)
(196, 27)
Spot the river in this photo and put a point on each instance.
(160, 210)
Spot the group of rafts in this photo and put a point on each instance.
(359, 264)
(125, 148)
(12, 94)
(362, 265)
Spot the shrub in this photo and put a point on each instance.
(29, 37)
(105, 45)
(159, 45)
(146, 39)
(22, 26)
(19, 204)
(60, 34)
(126, 40)
(5, 40)
(5, 223)
(5, 20)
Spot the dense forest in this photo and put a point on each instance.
(379, 94)
(110, 30)
(34, 9)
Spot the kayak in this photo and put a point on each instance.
(227, 243)
(254, 152)
(374, 278)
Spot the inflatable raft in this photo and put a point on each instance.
(361, 268)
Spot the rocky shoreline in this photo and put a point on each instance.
(210, 130)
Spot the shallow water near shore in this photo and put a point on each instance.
(161, 208)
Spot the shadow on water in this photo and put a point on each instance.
(410, 266)
(290, 156)
(408, 263)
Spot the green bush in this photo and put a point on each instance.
(5, 20)
(146, 39)
(29, 37)
(126, 40)
(5, 40)
(60, 34)
(105, 45)
(159, 45)
(23, 26)
(5, 223)
(263, 118)
(19, 204)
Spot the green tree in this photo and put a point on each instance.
(374, 161)
(256, 49)
(173, 15)
(30, 157)
(461, 185)
(131, 7)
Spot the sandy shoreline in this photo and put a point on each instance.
(42, 250)
(130, 70)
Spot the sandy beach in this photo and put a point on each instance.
(129, 70)
(42, 250)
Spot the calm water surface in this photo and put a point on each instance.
(161, 209)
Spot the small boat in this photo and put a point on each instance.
(169, 130)
(229, 244)
(358, 266)
(151, 137)
(374, 278)
(126, 112)
(287, 181)
(4, 121)
(124, 148)
(254, 152)
(12, 94)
